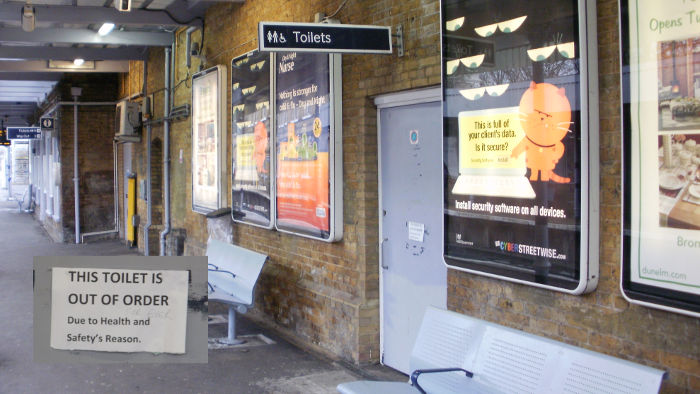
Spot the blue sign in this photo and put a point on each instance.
(46, 124)
(23, 133)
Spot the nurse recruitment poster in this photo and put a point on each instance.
(661, 103)
(305, 146)
(516, 142)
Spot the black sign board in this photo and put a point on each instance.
(318, 37)
(23, 133)
(47, 124)
(3, 138)
(520, 163)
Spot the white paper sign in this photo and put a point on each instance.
(117, 310)
(416, 231)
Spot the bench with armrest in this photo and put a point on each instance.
(455, 353)
(233, 273)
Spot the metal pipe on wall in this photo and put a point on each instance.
(76, 92)
(166, 154)
(149, 204)
(115, 163)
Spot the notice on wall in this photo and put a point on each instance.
(252, 171)
(514, 123)
(207, 140)
(119, 310)
(303, 143)
(20, 164)
(662, 154)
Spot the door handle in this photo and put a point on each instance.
(381, 246)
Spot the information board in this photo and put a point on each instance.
(520, 149)
(661, 150)
(208, 139)
(23, 133)
(251, 134)
(308, 145)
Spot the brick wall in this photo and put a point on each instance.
(95, 157)
(326, 295)
(602, 321)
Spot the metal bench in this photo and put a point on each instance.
(233, 273)
(455, 353)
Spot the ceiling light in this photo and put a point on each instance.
(567, 49)
(28, 18)
(473, 61)
(511, 25)
(539, 54)
(473, 94)
(487, 30)
(106, 28)
(78, 61)
(454, 24)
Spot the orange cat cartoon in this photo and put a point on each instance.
(545, 116)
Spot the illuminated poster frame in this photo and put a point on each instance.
(252, 125)
(308, 144)
(208, 139)
(520, 141)
(660, 51)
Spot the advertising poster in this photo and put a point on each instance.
(661, 253)
(20, 163)
(206, 141)
(251, 129)
(513, 130)
(303, 143)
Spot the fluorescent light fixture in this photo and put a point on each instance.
(106, 28)
(28, 18)
(454, 24)
(511, 25)
(473, 61)
(452, 66)
(487, 30)
(77, 64)
(539, 54)
(567, 49)
(472, 94)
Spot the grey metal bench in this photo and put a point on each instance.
(233, 273)
(455, 353)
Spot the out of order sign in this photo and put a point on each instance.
(118, 310)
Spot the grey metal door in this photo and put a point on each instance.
(412, 274)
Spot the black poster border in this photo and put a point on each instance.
(637, 293)
(587, 195)
(240, 216)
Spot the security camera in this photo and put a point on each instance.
(122, 5)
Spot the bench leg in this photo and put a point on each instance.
(231, 339)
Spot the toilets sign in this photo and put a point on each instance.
(321, 37)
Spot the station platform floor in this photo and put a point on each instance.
(269, 366)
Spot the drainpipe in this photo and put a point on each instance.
(149, 205)
(76, 92)
(166, 155)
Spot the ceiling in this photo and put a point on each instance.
(31, 62)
